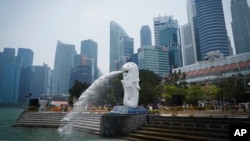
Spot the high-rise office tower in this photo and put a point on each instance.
(145, 34)
(116, 32)
(127, 51)
(188, 45)
(210, 28)
(10, 69)
(158, 22)
(153, 59)
(83, 70)
(89, 49)
(26, 56)
(41, 81)
(241, 25)
(64, 61)
(170, 38)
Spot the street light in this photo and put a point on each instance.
(222, 97)
(221, 90)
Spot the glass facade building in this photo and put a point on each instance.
(64, 61)
(83, 72)
(146, 37)
(188, 42)
(169, 32)
(158, 22)
(210, 29)
(241, 25)
(116, 32)
(127, 50)
(27, 57)
(153, 59)
(187, 45)
(89, 49)
(170, 38)
(41, 81)
(175, 57)
(10, 70)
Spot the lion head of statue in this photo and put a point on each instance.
(130, 73)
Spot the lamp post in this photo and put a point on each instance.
(222, 97)
(207, 90)
(221, 91)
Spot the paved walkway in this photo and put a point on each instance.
(209, 113)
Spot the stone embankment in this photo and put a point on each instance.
(183, 128)
(80, 121)
(199, 126)
(40, 119)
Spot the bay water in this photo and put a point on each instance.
(8, 116)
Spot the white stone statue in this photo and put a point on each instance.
(130, 84)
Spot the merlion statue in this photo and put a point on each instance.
(130, 84)
(131, 88)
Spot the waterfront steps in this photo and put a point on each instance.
(79, 121)
(165, 128)
(86, 122)
(185, 128)
(40, 119)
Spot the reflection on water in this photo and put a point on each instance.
(9, 115)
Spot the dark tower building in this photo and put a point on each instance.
(241, 25)
(64, 61)
(146, 38)
(210, 28)
(89, 49)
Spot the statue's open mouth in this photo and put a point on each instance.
(125, 71)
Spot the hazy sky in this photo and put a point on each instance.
(38, 24)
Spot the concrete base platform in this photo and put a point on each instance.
(120, 124)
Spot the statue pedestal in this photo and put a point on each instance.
(120, 124)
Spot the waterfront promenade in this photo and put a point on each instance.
(187, 124)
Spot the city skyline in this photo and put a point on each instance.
(38, 25)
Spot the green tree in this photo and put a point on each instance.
(77, 90)
(233, 87)
(148, 83)
(209, 92)
(176, 78)
(174, 84)
(168, 91)
(194, 94)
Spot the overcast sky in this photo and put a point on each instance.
(38, 24)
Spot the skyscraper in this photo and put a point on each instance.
(154, 59)
(116, 32)
(64, 61)
(89, 49)
(27, 57)
(210, 28)
(126, 52)
(40, 82)
(188, 44)
(241, 25)
(10, 69)
(170, 38)
(83, 70)
(146, 37)
(158, 22)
